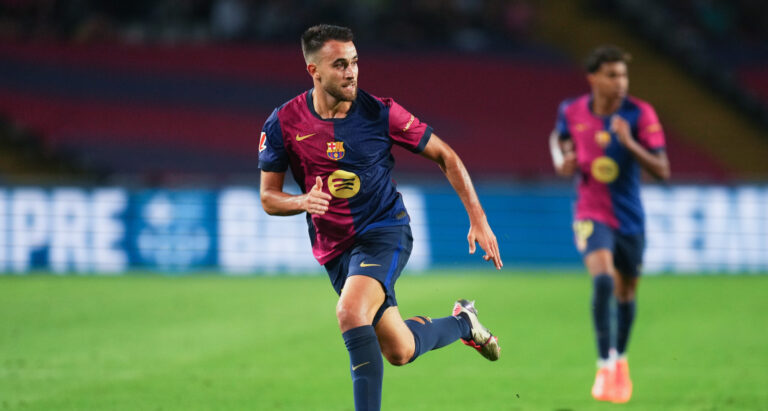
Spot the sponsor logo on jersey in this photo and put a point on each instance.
(335, 150)
(343, 184)
(579, 127)
(262, 142)
(605, 169)
(603, 138)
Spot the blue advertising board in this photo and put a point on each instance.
(111, 230)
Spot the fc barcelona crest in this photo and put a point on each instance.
(335, 150)
(603, 138)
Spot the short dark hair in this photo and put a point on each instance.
(605, 54)
(315, 37)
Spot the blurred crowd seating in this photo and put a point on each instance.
(199, 109)
(723, 42)
(164, 86)
(462, 24)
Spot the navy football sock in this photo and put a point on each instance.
(366, 365)
(433, 334)
(601, 311)
(626, 315)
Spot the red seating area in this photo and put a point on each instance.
(198, 109)
(755, 79)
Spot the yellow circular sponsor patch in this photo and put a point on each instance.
(604, 169)
(343, 184)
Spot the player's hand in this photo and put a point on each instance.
(570, 163)
(316, 201)
(622, 130)
(482, 234)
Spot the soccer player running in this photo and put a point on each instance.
(605, 138)
(337, 141)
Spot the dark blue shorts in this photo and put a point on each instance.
(379, 253)
(627, 249)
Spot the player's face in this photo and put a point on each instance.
(611, 80)
(337, 69)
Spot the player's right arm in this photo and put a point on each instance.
(561, 146)
(273, 162)
(277, 202)
(563, 155)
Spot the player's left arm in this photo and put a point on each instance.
(655, 163)
(453, 168)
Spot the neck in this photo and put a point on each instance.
(603, 106)
(327, 106)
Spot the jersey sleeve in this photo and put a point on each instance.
(561, 123)
(272, 155)
(407, 130)
(649, 131)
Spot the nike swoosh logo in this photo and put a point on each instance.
(360, 365)
(299, 138)
(369, 265)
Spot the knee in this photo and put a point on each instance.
(350, 316)
(625, 294)
(399, 356)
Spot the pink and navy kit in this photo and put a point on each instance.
(352, 155)
(608, 174)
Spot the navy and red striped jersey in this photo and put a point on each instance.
(609, 177)
(353, 157)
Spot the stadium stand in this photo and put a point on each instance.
(722, 43)
(198, 109)
(154, 87)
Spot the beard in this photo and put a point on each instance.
(340, 93)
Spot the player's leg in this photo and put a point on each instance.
(382, 254)
(628, 260)
(600, 266)
(356, 308)
(599, 263)
(365, 283)
(595, 241)
(626, 288)
(404, 341)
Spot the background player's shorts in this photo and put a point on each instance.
(379, 253)
(627, 249)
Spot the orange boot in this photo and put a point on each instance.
(603, 389)
(623, 385)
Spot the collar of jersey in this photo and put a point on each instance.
(311, 108)
(605, 118)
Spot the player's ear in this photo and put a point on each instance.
(312, 69)
(591, 79)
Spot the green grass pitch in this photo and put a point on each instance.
(149, 342)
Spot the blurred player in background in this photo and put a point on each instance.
(337, 140)
(605, 138)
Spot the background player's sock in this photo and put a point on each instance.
(367, 366)
(601, 310)
(432, 334)
(626, 315)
